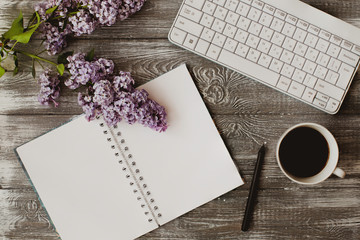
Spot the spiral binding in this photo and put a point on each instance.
(131, 171)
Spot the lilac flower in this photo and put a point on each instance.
(104, 11)
(89, 108)
(83, 71)
(123, 82)
(49, 88)
(129, 7)
(103, 93)
(55, 40)
(110, 115)
(82, 23)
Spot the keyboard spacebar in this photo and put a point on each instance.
(249, 68)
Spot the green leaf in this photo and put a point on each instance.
(16, 27)
(16, 70)
(90, 55)
(60, 68)
(33, 71)
(51, 10)
(25, 36)
(63, 57)
(2, 71)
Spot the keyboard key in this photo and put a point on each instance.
(332, 77)
(300, 35)
(269, 9)
(311, 40)
(332, 105)
(220, 13)
(287, 70)
(320, 72)
(336, 40)
(298, 62)
(230, 45)
(291, 19)
(322, 97)
(218, 26)
(288, 30)
(303, 25)
(253, 55)
(230, 30)
(333, 50)
(289, 44)
(219, 2)
(190, 41)
(301, 49)
(275, 51)
(287, 56)
(323, 59)
(258, 4)
(266, 19)
(198, 4)
(191, 13)
(284, 83)
(349, 58)
(243, 23)
(209, 8)
(334, 64)
(243, 9)
(314, 30)
(254, 70)
(252, 41)
(319, 103)
(278, 39)
(299, 76)
(347, 45)
(277, 25)
(329, 89)
(219, 39)
(178, 35)
(325, 35)
(322, 45)
(280, 14)
(296, 89)
(207, 20)
(202, 46)
(241, 36)
(345, 72)
(310, 81)
(231, 4)
(309, 95)
(189, 26)
(312, 54)
(309, 67)
(264, 46)
(276, 65)
(266, 33)
(356, 50)
(255, 28)
(208, 34)
(242, 50)
(254, 14)
(265, 60)
(232, 18)
(213, 52)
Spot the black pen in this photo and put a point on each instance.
(253, 189)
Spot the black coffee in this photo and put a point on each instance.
(303, 152)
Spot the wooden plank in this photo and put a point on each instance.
(224, 91)
(278, 214)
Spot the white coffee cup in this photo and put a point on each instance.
(333, 157)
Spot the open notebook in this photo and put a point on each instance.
(116, 183)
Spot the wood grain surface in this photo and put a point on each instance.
(246, 113)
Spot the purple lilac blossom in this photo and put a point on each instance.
(49, 88)
(82, 23)
(103, 93)
(129, 7)
(83, 71)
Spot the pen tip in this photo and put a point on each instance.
(265, 143)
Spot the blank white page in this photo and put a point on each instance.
(188, 165)
(81, 185)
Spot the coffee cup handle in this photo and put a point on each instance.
(339, 172)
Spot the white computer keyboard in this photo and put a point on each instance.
(285, 44)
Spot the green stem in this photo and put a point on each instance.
(35, 57)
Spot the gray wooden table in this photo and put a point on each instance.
(246, 113)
